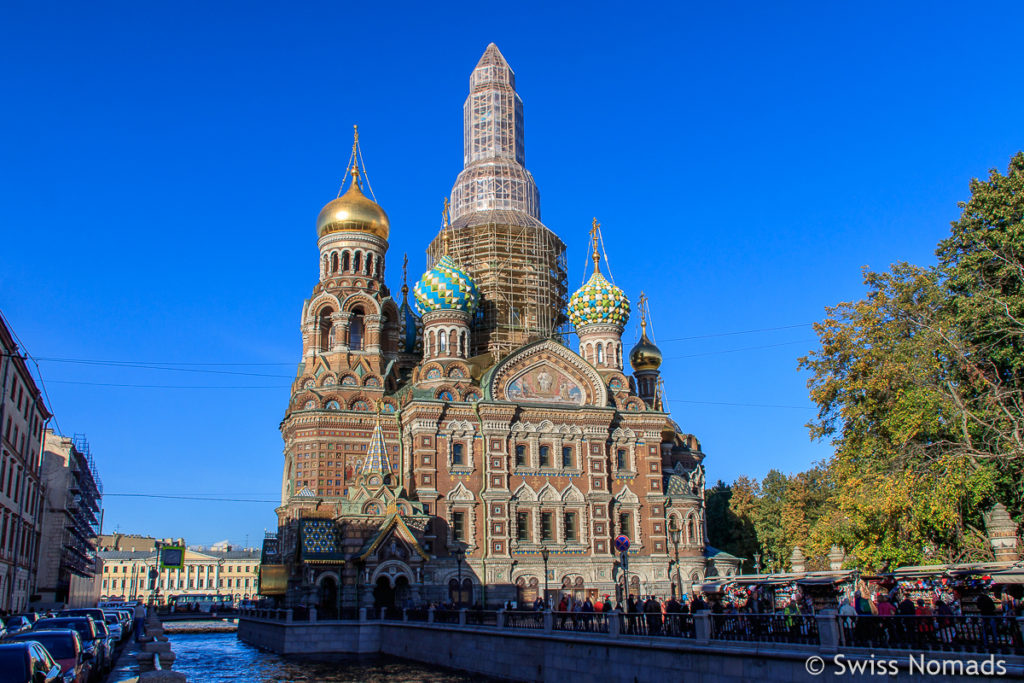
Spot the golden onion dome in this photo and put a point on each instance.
(353, 212)
(645, 355)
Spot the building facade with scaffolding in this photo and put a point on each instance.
(453, 448)
(71, 517)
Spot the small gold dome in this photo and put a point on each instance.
(645, 355)
(353, 211)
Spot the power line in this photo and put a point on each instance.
(148, 366)
(155, 362)
(204, 498)
(730, 334)
(743, 348)
(740, 405)
(162, 386)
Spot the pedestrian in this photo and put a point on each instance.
(140, 621)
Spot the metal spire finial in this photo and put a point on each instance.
(594, 232)
(355, 155)
(642, 303)
(444, 228)
(405, 274)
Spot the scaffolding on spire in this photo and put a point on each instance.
(517, 263)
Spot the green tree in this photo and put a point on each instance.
(919, 388)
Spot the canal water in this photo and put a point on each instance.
(222, 658)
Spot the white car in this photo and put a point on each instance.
(114, 626)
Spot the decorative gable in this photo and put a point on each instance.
(547, 372)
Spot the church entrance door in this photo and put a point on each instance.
(328, 604)
(383, 593)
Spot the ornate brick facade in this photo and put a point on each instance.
(486, 460)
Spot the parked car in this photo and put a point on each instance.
(95, 645)
(19, 622)
(124, 616)
(95, 612)
(114, 624)
(66, 647)
(110, 645)
(27, 662)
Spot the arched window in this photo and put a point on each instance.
(355, 328)
(442, 341)
(369, 264)
(344, 260)
(430, 344)
(458, 454)
(600, 353)
(357, 262)
(327, 265)
(326, 326)
(334, 262)
(691, 531)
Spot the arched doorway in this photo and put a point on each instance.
(383, 593)
(460, 596)
(403, 594)
(328, 603)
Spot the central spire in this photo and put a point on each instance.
(494, 152)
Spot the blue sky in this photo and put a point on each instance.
(163, 165)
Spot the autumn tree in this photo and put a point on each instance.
(918, 387)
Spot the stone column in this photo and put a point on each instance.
(828, 630)
(702, 626)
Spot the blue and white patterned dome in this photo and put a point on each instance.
(598, 301)
(446, 287)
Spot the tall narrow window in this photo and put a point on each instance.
(334, 262)
(326, 325)
(520, 455)
(355, 330)
(345, 260)
(357, 262)
(523, 526)
(566, 456)
(458, 455)
(442, 342)
(571, 533)
(626, 524)
(620, 459)
(600, 353)
(545, 456)
(459, 526)
(547, 532)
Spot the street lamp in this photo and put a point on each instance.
(460, 555)
(673, 532)
(757, 563)
(544, 556)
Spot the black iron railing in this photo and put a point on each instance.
(972, 633)
(765, 628)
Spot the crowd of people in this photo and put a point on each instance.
(929, 623)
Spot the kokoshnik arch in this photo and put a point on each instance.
(433, 449)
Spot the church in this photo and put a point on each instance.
(450, 444)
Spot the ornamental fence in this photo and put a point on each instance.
(972, 634)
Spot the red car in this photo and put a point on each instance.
(64, 646)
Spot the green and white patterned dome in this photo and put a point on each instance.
(446, 287)
(598, 302)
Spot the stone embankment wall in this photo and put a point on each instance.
(541, 655)
(155, 658)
